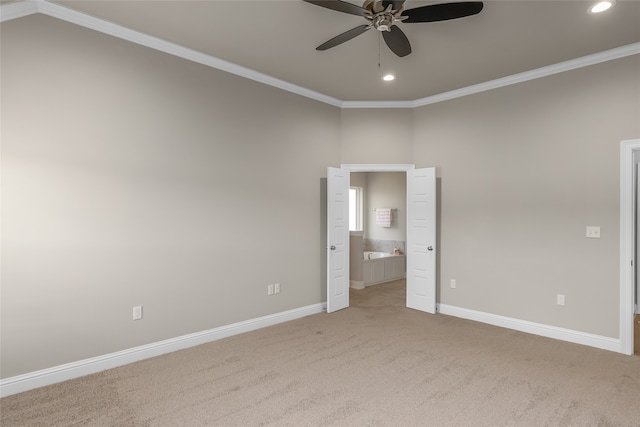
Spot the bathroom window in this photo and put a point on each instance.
(355, 209)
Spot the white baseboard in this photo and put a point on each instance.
(356, 284)
(569, 335)
(68, 371)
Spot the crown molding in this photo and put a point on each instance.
(19, 9)
(585, 61)
(28, 7)
(378, 104)
(561, 67)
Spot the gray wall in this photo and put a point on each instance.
(386, 190)
(130, 177)
(524, 169)
(370, 136)
(383, 189)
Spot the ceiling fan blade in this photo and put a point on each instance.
(443, 12)
(397, 41)
(397, 4)
(341, 38)
(340, 6)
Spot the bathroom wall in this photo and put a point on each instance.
(359, 179)
(383, 189)
(386, 190)
(356, 248)
(356, 240)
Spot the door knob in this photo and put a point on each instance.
(333, 248)
(430, 248)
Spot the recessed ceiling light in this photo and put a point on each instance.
(388, 77)
(601, 6)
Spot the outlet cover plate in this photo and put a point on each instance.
(593, 232)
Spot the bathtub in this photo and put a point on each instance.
(380, 267)
(375, 255)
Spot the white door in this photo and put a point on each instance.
(337, 239)
(636, 279)
(421, 239)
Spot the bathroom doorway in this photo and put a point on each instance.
(420, 217)
(370, 194)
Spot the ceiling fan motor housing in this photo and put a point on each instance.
(382, 19)
(383, 23)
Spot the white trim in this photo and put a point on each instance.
(27, 7)
(561, 67)
(585, 61)
(84, 367)
(627, 243)
(577, 337)
(17, 10)
(356, 284)
(96, 24)
(377, 167)
(378, 104)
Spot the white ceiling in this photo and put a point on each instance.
(278, 39)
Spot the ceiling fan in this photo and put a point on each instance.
(384, 14)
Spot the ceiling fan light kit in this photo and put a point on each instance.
(384, 15)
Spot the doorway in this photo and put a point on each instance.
(372, 231)
(420, 235)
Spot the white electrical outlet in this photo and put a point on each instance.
(452, 283)
(270, 290)
(137, 312)
(560, 299)
(593, 232)
(276, 288)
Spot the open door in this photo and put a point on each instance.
(421, 239)
(337, 239)
(636, 255)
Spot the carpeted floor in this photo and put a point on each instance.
(374, 364)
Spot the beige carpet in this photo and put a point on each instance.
(374, 364)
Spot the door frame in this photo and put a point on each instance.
(628, 239)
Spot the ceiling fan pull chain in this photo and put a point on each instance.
(379, 37)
